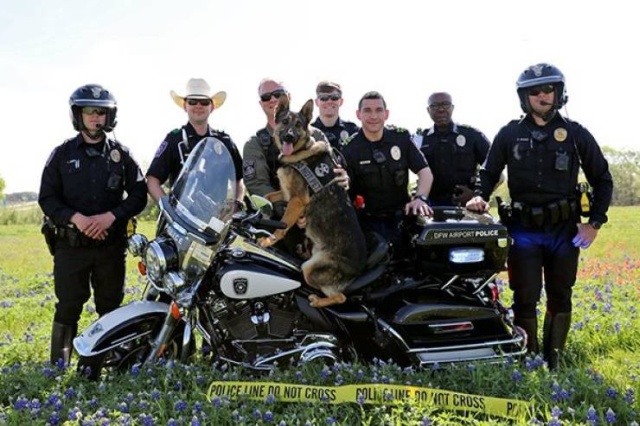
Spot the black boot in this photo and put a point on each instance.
(530, 325)
(62, 342)
(556, 329)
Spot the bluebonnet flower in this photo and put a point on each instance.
(360, 400)
(554, 422)
(325, 373)
(610, 416)
(611, 393)
(516, 376)
(330, 420)
(146, 420)
(268, 417)
(54, 418)
(616, 327)
(216, 401)
(155, 394)
(195, 421)
(143, 405)
(21, 403)
(180, 406)
(629, 396)
(200, 380)
(172, 422)
(556, 411)
(74, 413)
(282, 423)
(123, 407)
(197, 406)
(135, 370)
(425, 421)
(257, 413)
(270, 399)
(592, 415)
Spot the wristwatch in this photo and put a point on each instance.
(421, 197)
(596, 225)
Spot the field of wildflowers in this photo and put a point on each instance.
(598, 382)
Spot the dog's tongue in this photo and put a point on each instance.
(287, 148)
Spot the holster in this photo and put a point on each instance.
(505, 211)
(48, 230)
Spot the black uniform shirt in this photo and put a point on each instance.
(379, 170)
(454, 156)
(339, 133)
(91, 179)
(174, 150)
(543, 164)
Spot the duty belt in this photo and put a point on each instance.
(538, 216)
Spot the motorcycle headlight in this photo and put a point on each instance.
(137, 244)
(173, 281)
(160, 257)
(462, 255)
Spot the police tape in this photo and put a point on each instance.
(372, 394)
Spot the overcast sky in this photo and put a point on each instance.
(140, 50)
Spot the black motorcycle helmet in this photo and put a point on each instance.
(537, 75)
(92, 95)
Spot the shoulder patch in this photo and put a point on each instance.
(161, 149)
(249, 169)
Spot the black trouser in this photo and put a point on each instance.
(388, 226)
(546, 252)
(78, 269)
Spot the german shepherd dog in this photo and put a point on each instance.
(307, 182)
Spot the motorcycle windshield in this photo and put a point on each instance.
(205, 192)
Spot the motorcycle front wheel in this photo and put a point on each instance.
(122, 358)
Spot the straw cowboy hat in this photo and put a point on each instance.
(197, 88)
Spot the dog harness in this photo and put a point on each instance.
(317, 170)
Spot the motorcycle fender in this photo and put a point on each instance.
(119, 326)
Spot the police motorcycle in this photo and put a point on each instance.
(219, 289)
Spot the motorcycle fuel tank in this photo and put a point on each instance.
(248, 281)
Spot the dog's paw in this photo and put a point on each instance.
(267, 241)
(313, 300)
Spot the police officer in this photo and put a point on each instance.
(543, 152)
(82, 192)
(329, 100)
(454, 153)
(378, 163)
(198, 102)
(260, 162)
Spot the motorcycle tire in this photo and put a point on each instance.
(121, 359)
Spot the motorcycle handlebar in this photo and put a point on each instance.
(271, 223)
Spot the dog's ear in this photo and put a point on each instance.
(283, 105)
(307, 110)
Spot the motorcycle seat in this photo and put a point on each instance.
(378, 250)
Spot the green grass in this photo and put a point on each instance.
(601, 373)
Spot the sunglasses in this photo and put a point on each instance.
(265, 97)
(203, 102)
(325, 98)
(545, 88)
(91, 110)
